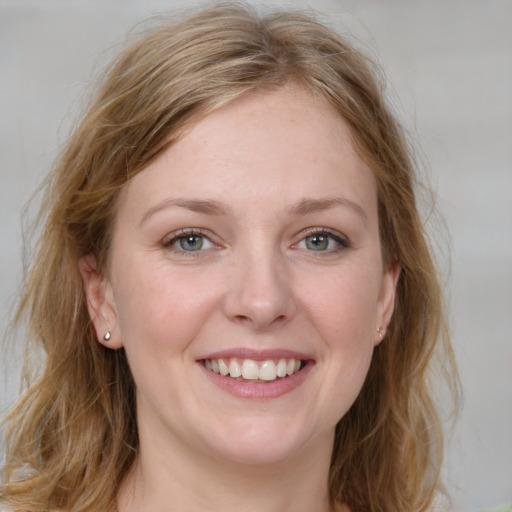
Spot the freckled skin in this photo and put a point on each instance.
(256, 283)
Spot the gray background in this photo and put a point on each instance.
(449, 65)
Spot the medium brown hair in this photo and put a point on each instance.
(73, 435)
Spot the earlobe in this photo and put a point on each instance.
(387, 300)
(100, 302)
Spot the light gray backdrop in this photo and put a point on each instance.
(449, 65)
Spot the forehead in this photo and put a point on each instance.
(277, 145)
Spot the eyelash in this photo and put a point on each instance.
(341, 241)
(174, 238)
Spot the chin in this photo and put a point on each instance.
(258, 454)
(260, 442)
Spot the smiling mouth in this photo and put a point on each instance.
(251, 370)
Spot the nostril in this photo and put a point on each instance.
(241, 318)
(260, 302)
(260, 322)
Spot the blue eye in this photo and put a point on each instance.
(323, 241)
(189, 241)
(318, 242)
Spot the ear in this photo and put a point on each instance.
(386, 301)
(100, 302)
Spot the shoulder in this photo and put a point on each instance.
(442, 504)
(501, 509)
(5, 508)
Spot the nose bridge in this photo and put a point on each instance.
(259, 292)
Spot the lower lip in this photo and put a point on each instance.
(259, 390)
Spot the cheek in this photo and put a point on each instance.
(159, 308)
(343, 311)
(343, 306)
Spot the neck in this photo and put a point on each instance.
(200, 482)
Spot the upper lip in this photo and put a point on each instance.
(256, 355)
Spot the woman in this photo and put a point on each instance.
(233, 289)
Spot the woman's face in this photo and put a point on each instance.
(246, 281)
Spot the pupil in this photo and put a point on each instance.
(191, 243)
(317, 242)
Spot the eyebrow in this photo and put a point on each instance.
(307, 206)
(212, 207)
(208, 207)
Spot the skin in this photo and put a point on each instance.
(279, 169)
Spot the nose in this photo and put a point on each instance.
(260, 294)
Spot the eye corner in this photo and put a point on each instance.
(189, 242)
(321, 241)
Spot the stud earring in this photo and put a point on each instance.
(379, 332)
(107, 336)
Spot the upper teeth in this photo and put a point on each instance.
(249, 369)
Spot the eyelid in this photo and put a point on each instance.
(342, 240)
(169, 240)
